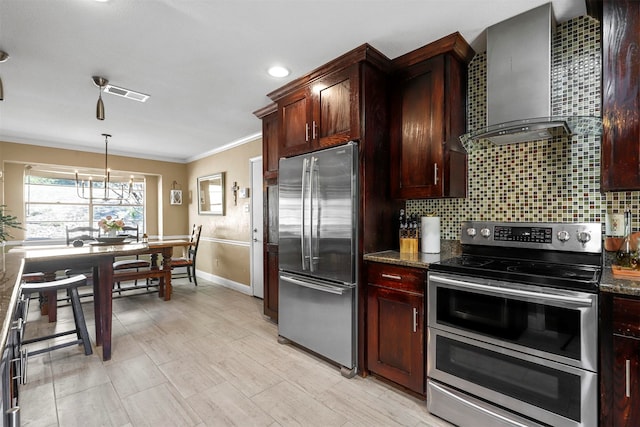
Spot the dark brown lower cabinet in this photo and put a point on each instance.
(396, 325)
(619, 361)
(271, 278)
(626, 387)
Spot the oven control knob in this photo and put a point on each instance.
(563, 235)
(471, 232)
(485, 232)
(584, 237)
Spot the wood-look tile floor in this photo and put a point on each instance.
(208, 357)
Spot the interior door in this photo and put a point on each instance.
(257, 260)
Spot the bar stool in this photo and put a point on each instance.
(70, 284)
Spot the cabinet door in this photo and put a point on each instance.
(270, 154)
(621, 95)
(626, 382)
(417, 133)
(395, 336)
(335, 108)
(294, 114)
(270, 302)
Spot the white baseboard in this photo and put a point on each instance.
(236, 286)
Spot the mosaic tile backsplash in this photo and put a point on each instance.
(556, 180)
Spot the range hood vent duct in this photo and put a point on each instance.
(519, 83)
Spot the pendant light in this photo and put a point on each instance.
(101, 82)
(3, 57)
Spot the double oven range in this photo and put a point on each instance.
(512, 326)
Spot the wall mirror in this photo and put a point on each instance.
(211, 194)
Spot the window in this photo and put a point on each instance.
(52, 203)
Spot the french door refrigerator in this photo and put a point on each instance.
(317, 252)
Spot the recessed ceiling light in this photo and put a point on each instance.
(278, 71)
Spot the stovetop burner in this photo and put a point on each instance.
(567, 276)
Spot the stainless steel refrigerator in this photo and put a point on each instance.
(318, 219)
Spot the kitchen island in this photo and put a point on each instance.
(12, 265)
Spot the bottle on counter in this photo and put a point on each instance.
(145, 238)
(627, 255)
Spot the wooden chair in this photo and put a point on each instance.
(82, 234)
(126, 264)
(189, 260)
(85, 235)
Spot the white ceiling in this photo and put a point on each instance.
(203, 62)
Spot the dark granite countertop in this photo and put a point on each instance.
(448, 249)
(616, 285)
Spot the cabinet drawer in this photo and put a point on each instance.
(626, 316)
(404, 278)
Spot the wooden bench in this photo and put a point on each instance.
(143, 274)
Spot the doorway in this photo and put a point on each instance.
(257, 260)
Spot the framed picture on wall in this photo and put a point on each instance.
(176, 197)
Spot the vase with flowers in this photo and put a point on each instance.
(110, 225)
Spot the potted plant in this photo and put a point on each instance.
(6, 222)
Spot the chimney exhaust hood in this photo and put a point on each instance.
(519, 83)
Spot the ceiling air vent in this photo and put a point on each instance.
(125, 93)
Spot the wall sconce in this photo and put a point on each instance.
(176, 194)
(235, 189)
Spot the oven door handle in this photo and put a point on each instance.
(563, 300)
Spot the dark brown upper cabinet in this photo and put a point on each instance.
(323, 108)
(321, 114)
(620, 95)
(428, 115)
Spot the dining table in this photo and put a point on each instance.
(99, 258)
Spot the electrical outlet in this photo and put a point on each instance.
(614, 224)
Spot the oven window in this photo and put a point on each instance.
(543, 327)
(547, 388)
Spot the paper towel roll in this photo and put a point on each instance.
(430, 229)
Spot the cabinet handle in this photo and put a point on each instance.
(435, 173)
(315, 130)
(306, 132)
(391, 276)
(415, 319)
(17, 325)
(627, 379)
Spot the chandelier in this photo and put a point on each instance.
(112, 191)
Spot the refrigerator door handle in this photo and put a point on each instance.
(323, 288)
(312, 220)
(302, 222)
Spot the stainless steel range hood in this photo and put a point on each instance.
(519, 82)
